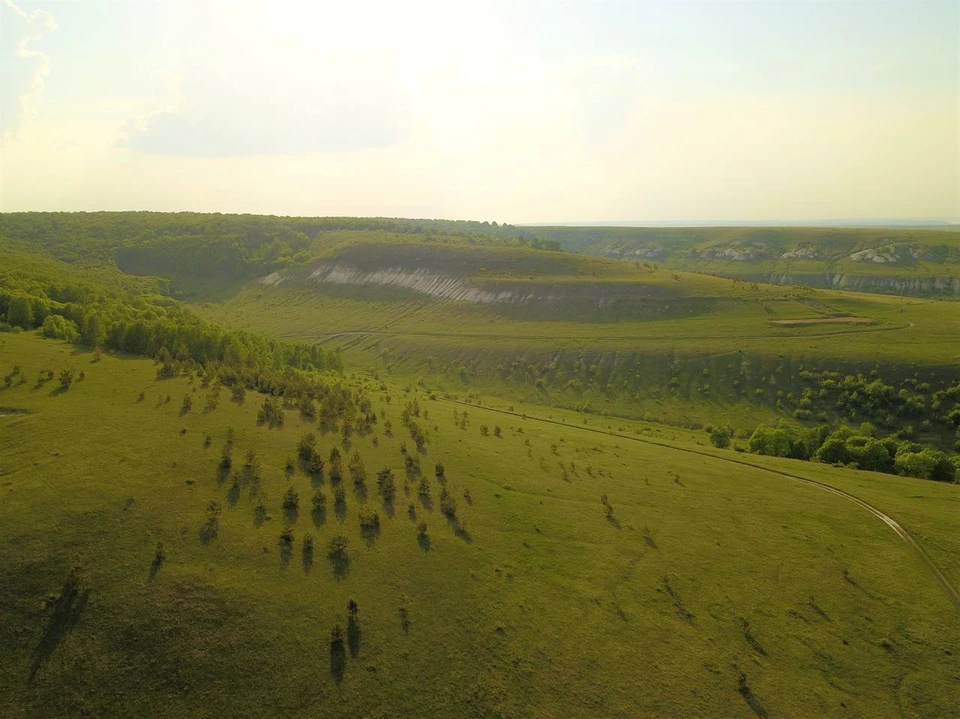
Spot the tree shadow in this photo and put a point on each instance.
(360, 490)
(340, 564)
(426, 501)
(209, 530)
(649, 540)
(222, 473)
(404, 616)
(155, 567)
(424, 541)
(259, 516)
(411, 512)
(316, 479)
(388, 508)
(233, 494)
(319, 516)
(306, 559)
(370, 534)
(290, 515)
(340, 510)
(338, 660)
(353, 636)
(286, 553)
(613, 521)
(66, 613)
(459, 530)
(469, 498)
(750, 698)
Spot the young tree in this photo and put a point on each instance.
(319, 500)
(338, 546)
(385, 484)
(291, 500)
(448, 505)
(306, 446)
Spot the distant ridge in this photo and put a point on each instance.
(865, 223)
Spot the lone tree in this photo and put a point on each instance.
(439, 471)
(352, 608)
(66, 378)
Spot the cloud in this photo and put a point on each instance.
(23, 70)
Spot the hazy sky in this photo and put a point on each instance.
(511, 111)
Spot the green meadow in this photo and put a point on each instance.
(302, 467)
(708, 588)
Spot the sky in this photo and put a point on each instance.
(520, 111)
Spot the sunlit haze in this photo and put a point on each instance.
(510, 111)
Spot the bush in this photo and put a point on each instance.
(720, 436)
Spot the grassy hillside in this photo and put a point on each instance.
(897, 261)
(536, 600)
(608, 337)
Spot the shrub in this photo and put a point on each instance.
(422, 529)
(439, 470)
(319, 500)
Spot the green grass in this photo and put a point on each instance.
(706, 332)
(542, 608)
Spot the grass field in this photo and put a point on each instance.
(710, 350)
(712, 589)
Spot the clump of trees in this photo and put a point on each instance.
(856, 448)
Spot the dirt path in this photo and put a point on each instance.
(951, 591)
